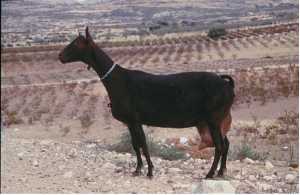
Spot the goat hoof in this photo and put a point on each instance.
(221, 172)
(137, 173)
(150, 176)
(209, 176)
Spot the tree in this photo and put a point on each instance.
(216, 33)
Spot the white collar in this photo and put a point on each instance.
(109, 71)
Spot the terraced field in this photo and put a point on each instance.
(264, 62)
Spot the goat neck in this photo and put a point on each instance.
(98, 60)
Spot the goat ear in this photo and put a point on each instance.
(87, 34)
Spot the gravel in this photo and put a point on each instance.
(49, 166)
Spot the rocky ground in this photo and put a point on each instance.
(49, 166)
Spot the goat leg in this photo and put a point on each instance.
(219, 147)
(138, 170)
(136, 147)
(224, 158)
(142, 138)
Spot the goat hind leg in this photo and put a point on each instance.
(224, 158)
(219, 147)
(136, 146)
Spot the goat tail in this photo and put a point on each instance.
(229, 78)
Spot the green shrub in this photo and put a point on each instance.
(163, 151)
(216, 33)
(245, 151)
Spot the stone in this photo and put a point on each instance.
(20, 155)
(92, 145)
(264, 186)
(73, 153)
(45, 142)
(248, 160)
(183, 140)
(158, 161)
(238, 176)
(68, 174)
(119, 169)
(252, 178)
(174, 170)
(213, 186)
(285, 148)
(289, 178)
(180, 186)
(109, 165)
(268, 178)
(35, 163)
(61, 167)
(268, 165)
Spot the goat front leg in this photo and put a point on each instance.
(136, 146)
(142, 138)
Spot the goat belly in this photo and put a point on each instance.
(172, 109)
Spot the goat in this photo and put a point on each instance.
(200, 99)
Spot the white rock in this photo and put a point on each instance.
(68, 174)
(183, 140)
(199, 161)
(252, 178)
(249, 160)
(24, 180)
(158, 161)
(268, 178)
(285, 148)
(93, 145)
(88, 174)
(249, 183)
(213, 186)
(109, 165)
(238, 176)
(61, 167)
(174, 170)
(264, 186)
(289, 178)
(180, 186)
(35, 163)
(128, 155)
(20, 155)
(268, 165)
(73, 153)
(45, 142)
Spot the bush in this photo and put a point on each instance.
(245, 151)
(216, 33)
(164, 151)
(12, 118)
